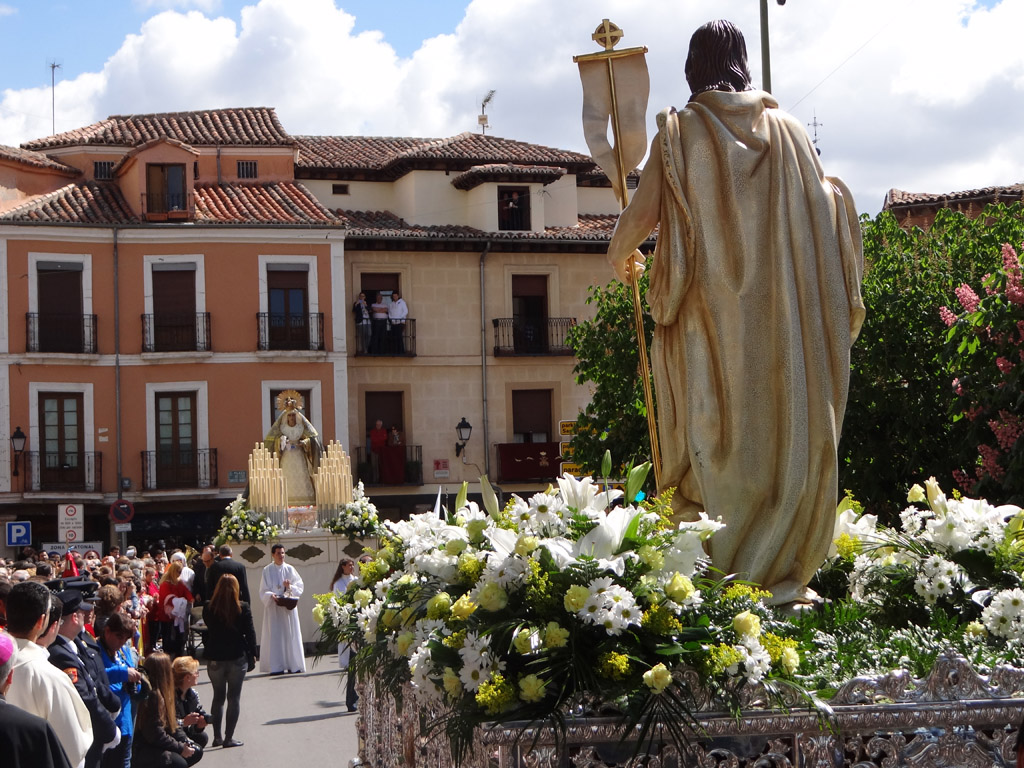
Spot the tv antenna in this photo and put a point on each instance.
(482, 118)
(815, 124)
(54, 66)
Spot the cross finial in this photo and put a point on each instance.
(607, 35)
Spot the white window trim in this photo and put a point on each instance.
(85, 259)
(35, 388)
(187, 258)
(4, 300)
(311, 286)
(315, 387)
(201, 389)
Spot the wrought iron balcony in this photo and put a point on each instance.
(50, 332)
(532, 335)
(82, 471)
(176, 332)
(524, 462)
(185, 468)
(392, 465)
(390, 341)
(279, 332)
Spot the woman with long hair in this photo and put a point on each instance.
(159, 741)
(189, 709)
(174, 610)
(230, 650)
(119, 662)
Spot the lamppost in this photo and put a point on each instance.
(463, 429)
(18, 444)
(766, 59)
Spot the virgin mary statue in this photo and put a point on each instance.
(298, 445)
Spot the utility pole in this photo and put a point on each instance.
(54, 66)
(766, 58)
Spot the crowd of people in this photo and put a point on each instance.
(93, 664)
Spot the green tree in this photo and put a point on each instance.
(608, 359)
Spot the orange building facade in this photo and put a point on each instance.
(165, 276)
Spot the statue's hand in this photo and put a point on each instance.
(630, 266)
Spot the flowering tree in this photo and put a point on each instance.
(985, 345)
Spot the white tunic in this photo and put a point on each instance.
(281, 638)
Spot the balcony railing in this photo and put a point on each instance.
(82, 472)
(532, 335)
(397, 340)
(393, 465)
(304, 332)
(186, 468)
(164, 206)
(524, 462)
(48, 332)
(176, 332)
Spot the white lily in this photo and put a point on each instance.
(582, 495)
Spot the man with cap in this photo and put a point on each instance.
(37, 686)
(26, 740)
(66, 656)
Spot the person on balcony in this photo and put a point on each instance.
(361, 315)
(398, 312)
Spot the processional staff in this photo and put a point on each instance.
(616, 86)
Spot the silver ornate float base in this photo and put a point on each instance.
(953, 718)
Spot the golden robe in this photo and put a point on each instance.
(755, 289)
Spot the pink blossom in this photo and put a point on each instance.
(1010, 261)
(973, 413)
(1004, 365)
(990, 462)
(1007, 429)
(949, 318)
(957, 387)
(963, 480)
(968, 298)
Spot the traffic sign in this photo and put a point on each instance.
(566, 428)
(70, 523)
(122, 527)
(122, 511)
(19, 533)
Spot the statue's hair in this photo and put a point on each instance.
(717, 59)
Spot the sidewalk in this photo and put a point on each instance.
(288, 720)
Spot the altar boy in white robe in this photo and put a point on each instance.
(281, 639)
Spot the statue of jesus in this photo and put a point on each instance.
(755, 292)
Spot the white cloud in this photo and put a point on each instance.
(923, 95)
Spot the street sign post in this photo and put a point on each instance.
(19, 533)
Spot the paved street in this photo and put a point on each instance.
(289, 720)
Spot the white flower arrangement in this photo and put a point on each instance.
(358, 518)
(242, 524)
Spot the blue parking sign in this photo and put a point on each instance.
(19, 534)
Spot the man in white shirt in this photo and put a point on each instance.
(38, 686)
(398, 312)
(281, 638)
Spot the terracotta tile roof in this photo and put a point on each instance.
(282, 202)
(89, 202)
(897, 198)
(385, 225)
(101, 202)
(35, 160)
(390, 158)
(480, 174)
(246, 126)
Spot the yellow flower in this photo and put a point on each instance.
(790, 660)
(916, 493)
(523, 642)
(746, 624)
(847, 546)
(452, 684)
(658, 678)
(404, 643)
(362, 597)
(575, 597)
(975, 629)
(318, 614)
(679, 588)
(475, 529)
(526, 544)
(555, 636)
(651, 557)
(439, 606)
(455, 547)
(612, 665)
(531, 688)
(492, 597)
(463, 608)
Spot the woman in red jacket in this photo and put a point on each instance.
(174, 610)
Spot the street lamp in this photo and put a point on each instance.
(766, 59)
(18, 444)
(463, 429)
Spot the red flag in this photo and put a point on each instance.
(70, 569)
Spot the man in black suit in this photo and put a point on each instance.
(224, 566)
(65, 656)
(26, 740)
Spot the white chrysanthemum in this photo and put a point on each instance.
(472, 676)
(546, 514)
(507, 571)
(1004, 616)
(756, 663)
(421, 669)
(474, 649)
(911, 519)
(426, 629)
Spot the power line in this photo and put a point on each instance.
(841, 65)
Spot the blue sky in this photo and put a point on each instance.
(921, 95)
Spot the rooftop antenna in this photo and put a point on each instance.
(54, 66)
(815, 124)
(482, 118)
